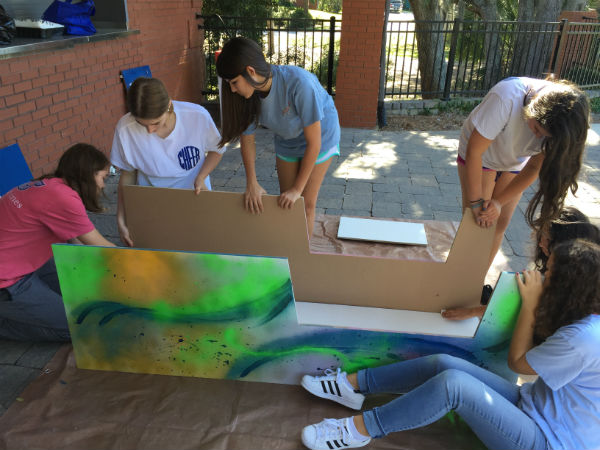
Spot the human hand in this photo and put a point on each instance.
(476, 212)
(200, 184)
(288, 198)
(463, 313)
(124, 234)
(252, 198)
(489, 213)
(530, 288)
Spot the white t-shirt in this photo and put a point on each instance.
(499, 117)
(174, 161)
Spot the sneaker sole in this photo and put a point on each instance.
(339, 400)
(310, 445)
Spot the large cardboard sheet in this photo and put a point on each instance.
(217, 222)
(68, 408)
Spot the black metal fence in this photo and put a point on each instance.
(577, 56)
(309, 43)
(429, 59)
(441, 59)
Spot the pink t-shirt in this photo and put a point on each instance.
(32, 217)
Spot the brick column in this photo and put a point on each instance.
(357, 83)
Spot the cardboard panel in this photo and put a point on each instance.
(234, 317)
(178, 219)
(217, 222)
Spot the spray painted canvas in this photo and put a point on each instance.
(227, 316)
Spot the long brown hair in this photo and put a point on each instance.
(147, 98)
(571, 224)
(563, 110)
(573, 291)
(238, 112)
(78, 167)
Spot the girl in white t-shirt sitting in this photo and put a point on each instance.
(164, 143)
(523, 128)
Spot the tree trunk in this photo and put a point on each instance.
(532, 50)
(488, 11)
(574, 5)
(430, 44)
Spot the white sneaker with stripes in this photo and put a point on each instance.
(331, 434)
(333, 386)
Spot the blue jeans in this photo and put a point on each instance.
(34, 310)
(434, 385)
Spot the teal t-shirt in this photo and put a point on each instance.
(296, 100)
(565, 400)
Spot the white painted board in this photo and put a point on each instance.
(383, 319)
(382, 231)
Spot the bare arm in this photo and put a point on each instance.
(522, 339)
(517, 186)
(312, 133)
(464, 313)
(254, 191)
(476, 147)
(211, 161)
(94, 238)
(523, 180)
(127, 178)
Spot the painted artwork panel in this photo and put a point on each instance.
(226, 316)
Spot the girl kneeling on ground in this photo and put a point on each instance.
(34, 216)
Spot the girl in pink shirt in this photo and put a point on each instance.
(34, 216)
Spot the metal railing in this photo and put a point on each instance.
(577, 55)
(466, 58)
(462, 58)
(309, 43)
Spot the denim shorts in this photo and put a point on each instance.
(333, 151)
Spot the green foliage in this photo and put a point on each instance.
(459, 106)
(595, 105)
(332, 6)
(298, 17)
(247, 8)
(321, 68)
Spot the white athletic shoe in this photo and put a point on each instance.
(331, 434)
(333, 386)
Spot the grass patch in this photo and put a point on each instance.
(458, 106)
(323, 15)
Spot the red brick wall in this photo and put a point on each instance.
(51, 100)
(357, 83)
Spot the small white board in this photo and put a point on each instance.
(382, 319)
(382, 231)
